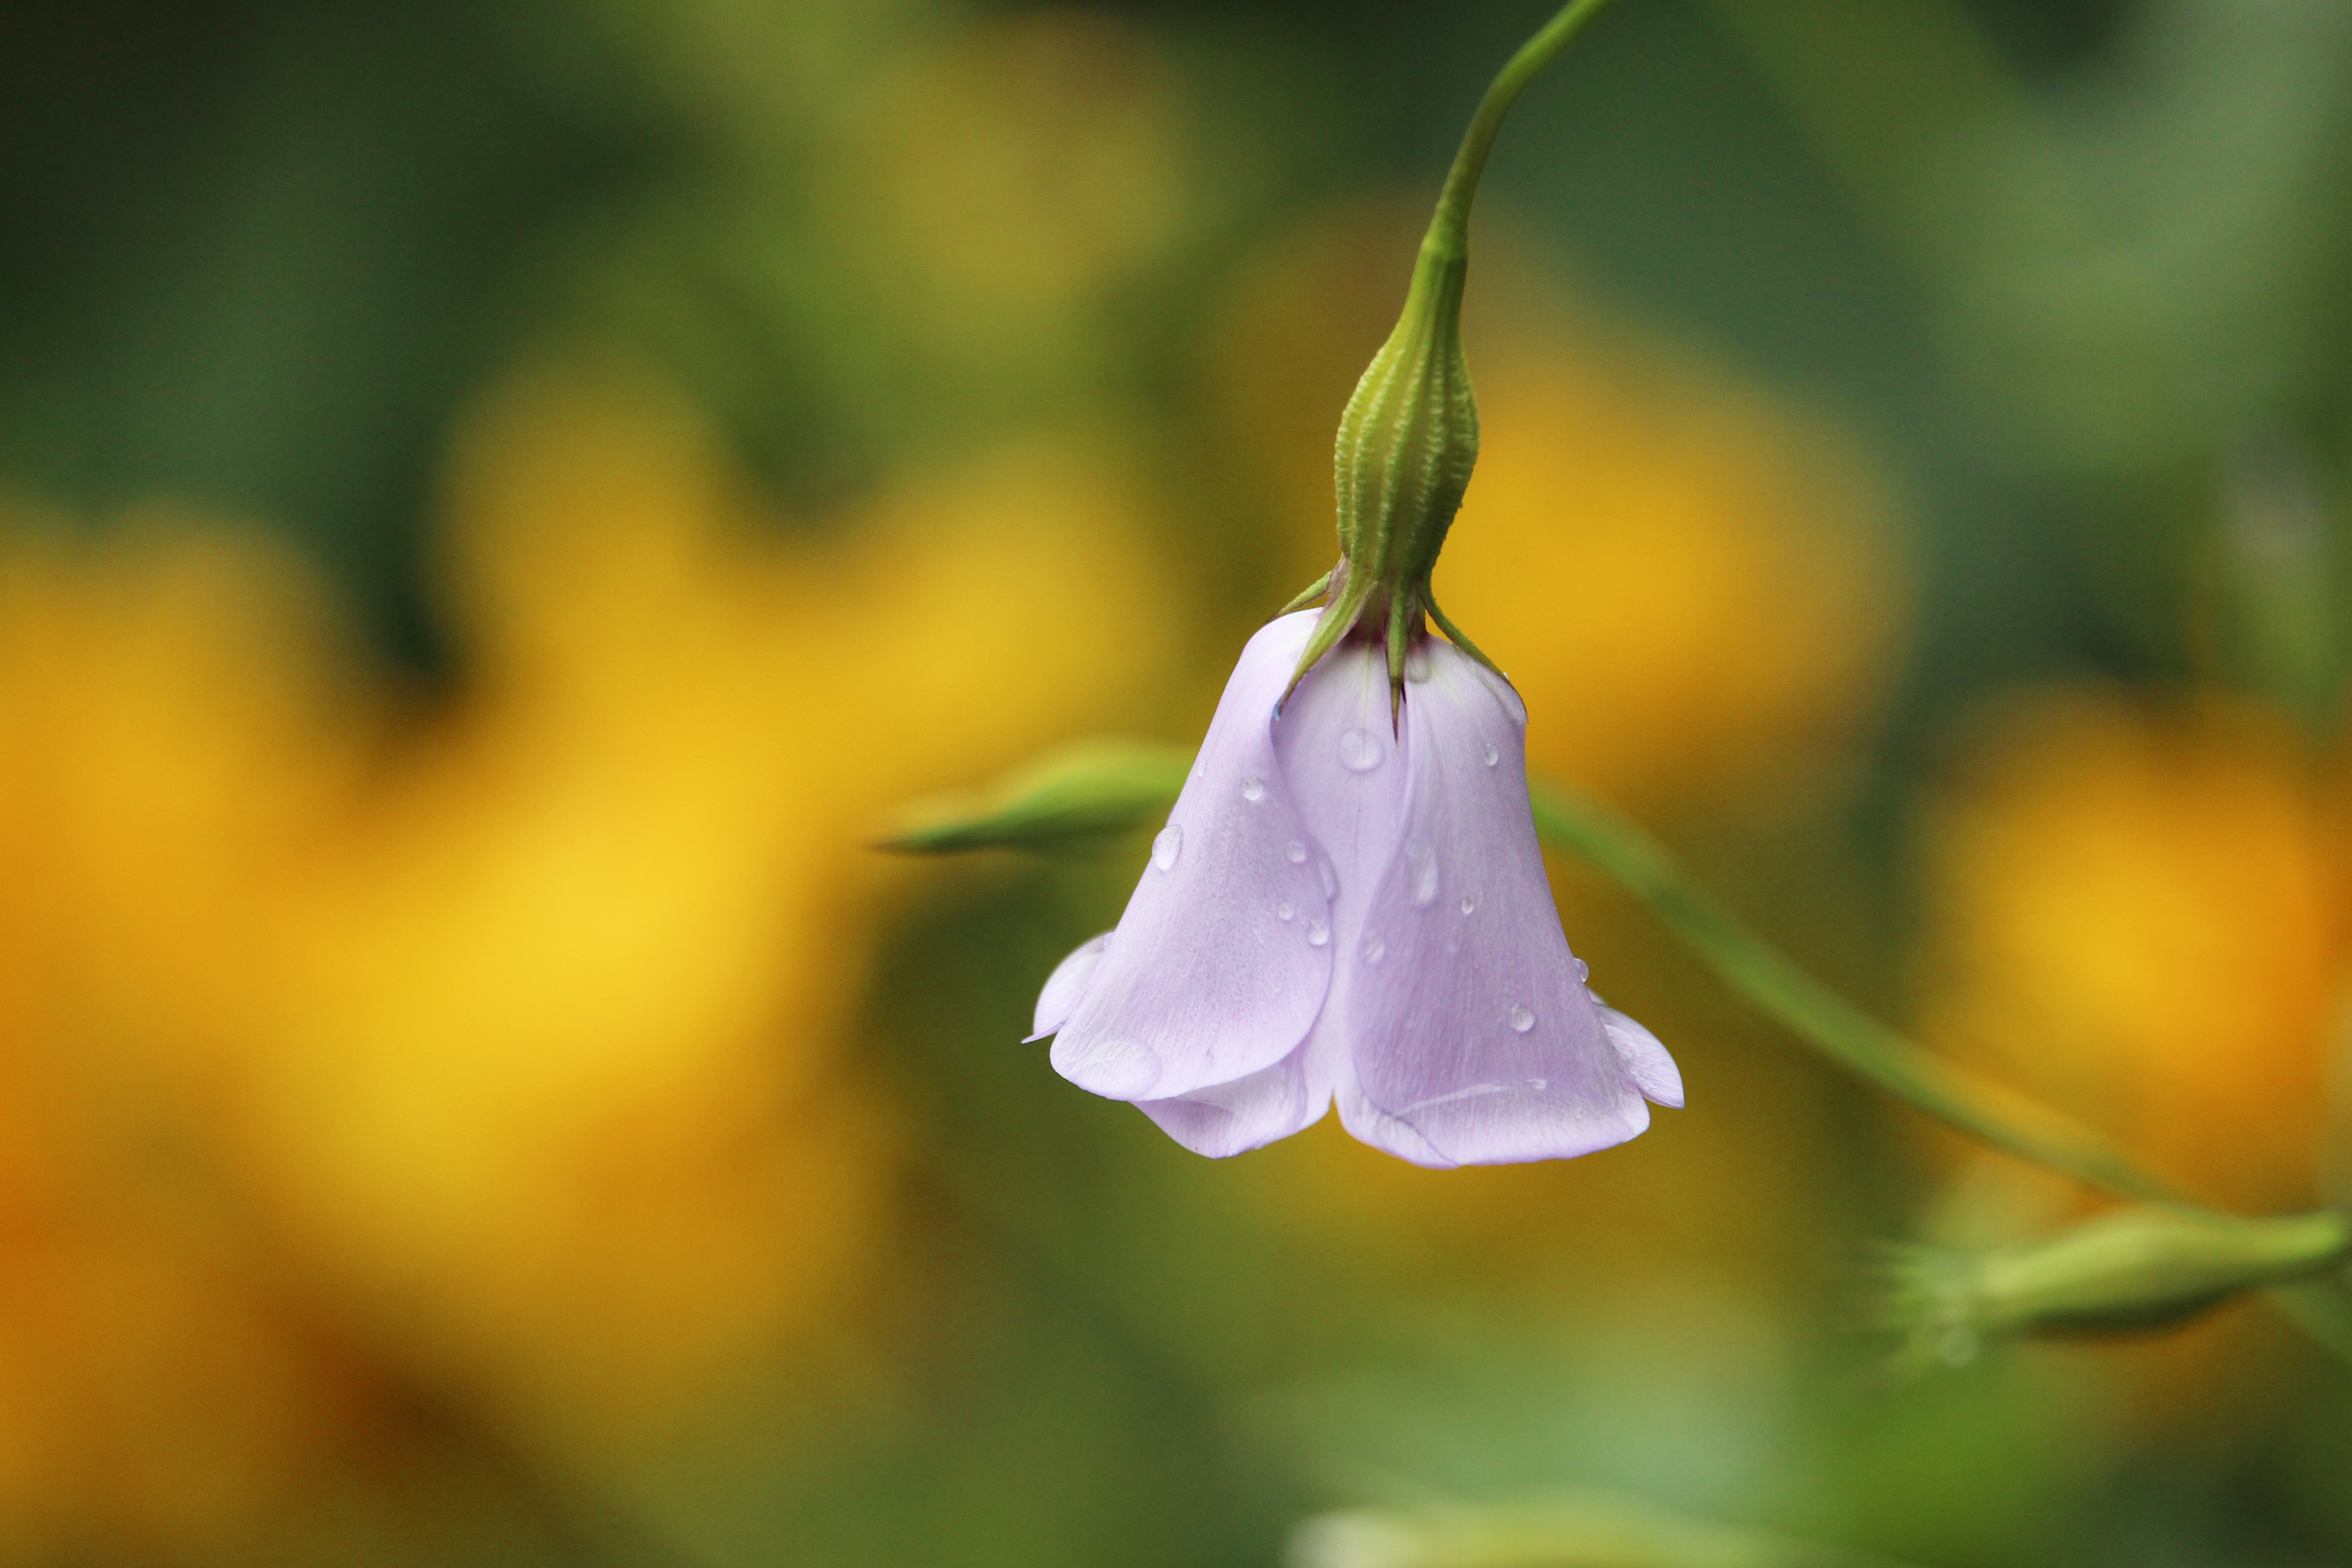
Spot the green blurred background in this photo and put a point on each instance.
(500, 503)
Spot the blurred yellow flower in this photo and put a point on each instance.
(509, 1041)
(558, 1067)
(159, 761)
(1694, 586)
(2137, 912)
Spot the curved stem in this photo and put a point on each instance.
(1449, 230)
(1833, 1026)
(1826, 1021)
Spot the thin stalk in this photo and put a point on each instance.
(1832, 1026)
(1449, 230)
(1824, 1019)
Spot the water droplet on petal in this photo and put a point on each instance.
(1297, 853)
(1421, 858)
(1318, 933)
(1284, 910)
(1374, 948)
(1201, 768)
(1536, 1084)
(1468, 903)
(1494, 753)
(1521, 1019)
(1167, 846)
(1359, 753)
(1328, 877)
(1253, 788)
(1581, 970)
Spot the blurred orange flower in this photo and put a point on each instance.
(509, 1041)
(2137, 912)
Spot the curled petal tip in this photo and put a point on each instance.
(1645, 1059)
(1066, 987)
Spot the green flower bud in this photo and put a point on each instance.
(1408, 441)
(1583, 1532)
(1073, 797)
(1408, 438)
(2133, 1270)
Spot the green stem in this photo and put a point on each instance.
(1449, 230)
(1828, 1024)
(1869, 1049)
(1824, 1019)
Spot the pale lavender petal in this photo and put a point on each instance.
(1215, 971)
(1367, 1123)
(1339, 756)
(1641, 1055)
(1468, 1019)
(1062, 988)
(1250, 1112)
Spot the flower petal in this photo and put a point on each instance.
(1367, 1123)
(1468, 1019)
(1062, 988)
(1341, 758)
(1213, 973)
(1641, 1055)
(1249, 1112)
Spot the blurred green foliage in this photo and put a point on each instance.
(2076, 274)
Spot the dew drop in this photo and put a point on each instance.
(1374, 948)
(1201, 768)
(1359, 753)
(1421, 858)
(1318, 933)
(1468, 903)
(1297, 853)
(1521, 1019)
(1536, 1084)
(1284, 910)
(1328, 877)
(1494, 753)
(1167, 846)
(1581, 970)
(1253, 788)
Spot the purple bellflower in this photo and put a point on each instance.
(1349, 904)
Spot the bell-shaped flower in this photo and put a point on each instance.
(1348, 903)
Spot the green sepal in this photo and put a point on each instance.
(1074, 797)
(1454, 635)
(1321, 586)
(1348, 592)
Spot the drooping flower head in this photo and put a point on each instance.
(1348, 903)
(1339, 909)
